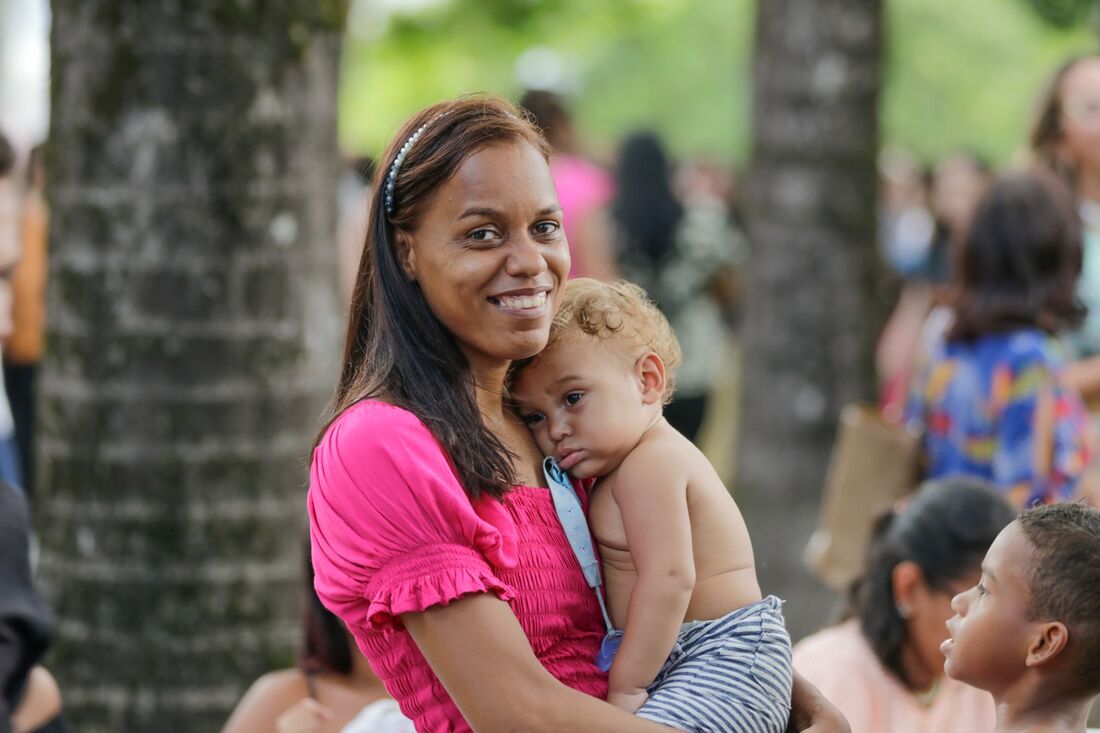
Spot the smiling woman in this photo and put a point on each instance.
(434, 538)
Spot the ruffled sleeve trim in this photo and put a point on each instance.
(431, 576)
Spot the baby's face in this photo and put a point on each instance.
(989, 634)
(582, 400)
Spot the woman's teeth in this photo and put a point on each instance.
(519, 302)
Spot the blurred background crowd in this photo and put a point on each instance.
(891, 203)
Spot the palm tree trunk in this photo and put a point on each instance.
(809, 308)
(192, 344)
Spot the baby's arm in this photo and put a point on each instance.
(651, 493)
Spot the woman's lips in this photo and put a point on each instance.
(532, 305)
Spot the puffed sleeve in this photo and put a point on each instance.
(392, 531)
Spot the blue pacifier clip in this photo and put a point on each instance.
(571, 515)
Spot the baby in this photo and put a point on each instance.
(700, 650)
(1029, 632)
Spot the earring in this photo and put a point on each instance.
(904, 611)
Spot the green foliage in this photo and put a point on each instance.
(1063, 13)
(957, 74)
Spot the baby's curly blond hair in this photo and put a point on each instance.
(619, 310)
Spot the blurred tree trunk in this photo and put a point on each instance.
(809, 322)
(193, 341)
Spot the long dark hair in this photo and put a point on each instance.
(1020, 260)
(325, 643)
(396, 348)
(645, 211)
(946, 530)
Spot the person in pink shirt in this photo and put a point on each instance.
(883, 666)
(584, 188)
(433, 535)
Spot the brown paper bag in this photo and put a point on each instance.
(874, 463)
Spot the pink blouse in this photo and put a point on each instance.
(393, 532)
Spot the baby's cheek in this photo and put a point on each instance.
(542, 441)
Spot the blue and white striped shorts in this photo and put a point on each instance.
(730, 675)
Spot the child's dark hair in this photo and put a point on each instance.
(1065, 580)
(325, 643)
(1020, 261)
(946, 530)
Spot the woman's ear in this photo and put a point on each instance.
(1048, 642)
(908, 580)
(649, 370)
(406, 254)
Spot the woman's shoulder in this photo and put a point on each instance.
(268, 698)
(373, 426)
(840, 644)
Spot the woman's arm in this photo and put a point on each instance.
(41, 702)
(811, 712)
(479, 652)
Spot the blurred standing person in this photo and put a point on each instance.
(685, 256)
(957, 185)
(906, 225)
(24, 347)
(10, 206)
(584, 188)
(991, 396)
(1065, 137)
(351, 224)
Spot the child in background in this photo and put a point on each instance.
(1029, 632)
(700, 649)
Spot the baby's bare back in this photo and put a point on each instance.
(725, 576)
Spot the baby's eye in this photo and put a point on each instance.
(573, 398)
(532, 418)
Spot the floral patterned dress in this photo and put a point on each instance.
(978, 402)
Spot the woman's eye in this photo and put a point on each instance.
(573, 398)
(981, 589)
(532, 418)
(546, 227)
(481, 235)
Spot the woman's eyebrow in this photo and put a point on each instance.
(487, 211)
(478, 211)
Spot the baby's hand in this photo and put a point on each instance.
(628, 700)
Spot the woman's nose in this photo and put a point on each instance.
(525, 258)
(958, 603)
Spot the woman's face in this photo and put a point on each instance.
(1080, 116)
(929, 610)
(489, 254)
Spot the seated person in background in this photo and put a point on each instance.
(333, 690)
(882, 666)
(991, 397)
(700, 649)
(1029, 631)
(29, 697)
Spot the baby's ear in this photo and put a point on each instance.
(649, 370)
(1049, 641)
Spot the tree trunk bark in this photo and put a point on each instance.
(809, 322)
(193, 341)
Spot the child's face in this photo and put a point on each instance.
(583, 401)
(989, 634)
